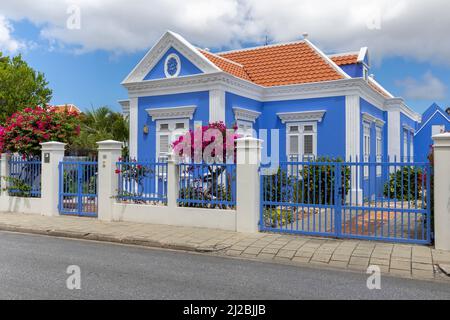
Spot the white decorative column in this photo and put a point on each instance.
(216, 105)
(394, 131)
(353, 144)
(248, 184)
(133, 128)
(109, 152)
(52, 155)
(442, 191)
(172, 181)
(4, 172)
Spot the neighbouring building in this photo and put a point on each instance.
(63, 107)
(322, 104)
(434, 121)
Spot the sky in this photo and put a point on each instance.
(85, 48)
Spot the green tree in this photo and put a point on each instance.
(20, 86)
(97, 125)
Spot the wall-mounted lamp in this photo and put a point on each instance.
(145, 129)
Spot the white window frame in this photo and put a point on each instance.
(172, 132)
(366, 147)
(411, 146)
(247, 131)
(405, 145)
(379, 148)
(301, 134)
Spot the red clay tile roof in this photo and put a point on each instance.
(284, 64)
(226, 65)
(64, 107)
(342, 60)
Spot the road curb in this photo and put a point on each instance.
(108, 238)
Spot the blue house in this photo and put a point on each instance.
(322, 105)
(434, 121)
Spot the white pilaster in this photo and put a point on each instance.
(172, 181)
(248, 184)
(394, 132)
(4, 172)
(52, 155)
(353, 143)
(109, 151)
(216, 105)
(134, 130)
(442, 191)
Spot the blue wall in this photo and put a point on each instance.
(147, 142)
(353, 70)
(187, 67)
(422, 139)
(330, 132)
(234, 100)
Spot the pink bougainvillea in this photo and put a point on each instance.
(25, 130)
(212, 142)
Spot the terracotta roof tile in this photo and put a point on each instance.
(292, 63)
(226, 65)
(342, 60)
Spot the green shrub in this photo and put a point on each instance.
(317, 183)
(197, 192)
(404, 184)
(17, 187)
(275, 217)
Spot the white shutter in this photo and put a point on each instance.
(308, 144)
(163, 144)
(293, 145)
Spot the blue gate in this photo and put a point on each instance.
(78, 188)
(387, 201)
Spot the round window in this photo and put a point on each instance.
(172, 66)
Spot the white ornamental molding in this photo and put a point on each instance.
(301, 116)
(171, 113)
(372, 119)
(408, 128)
(245, 114)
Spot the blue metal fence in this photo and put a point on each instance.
(365, 200)
(207, 185)
(78, 188)
(24, 178)
(142, 181)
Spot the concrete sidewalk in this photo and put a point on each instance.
(411, 261)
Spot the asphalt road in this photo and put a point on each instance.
(34, 267)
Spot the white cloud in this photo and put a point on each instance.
(7, 42)
(427, 88)
(411, 28)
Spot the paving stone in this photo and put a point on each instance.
(340, 257)
(423, 274)
(285, 253)
(269, 250)
(400, 272)
(304, 254)
(300, 259)
(266, 256)
(233, 252)
(378, 261)
(422, 266)
(359, 261)
(252, 250)
(321, 257)
(362, 254)
(357, 267)
(400, 264)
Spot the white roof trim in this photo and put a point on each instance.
(370, 118)
(245, 114)
(328, 60)
(380, 87)
(315, 115)
(169, 39)
(171, 113)
(429, 119)
(362, 54)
